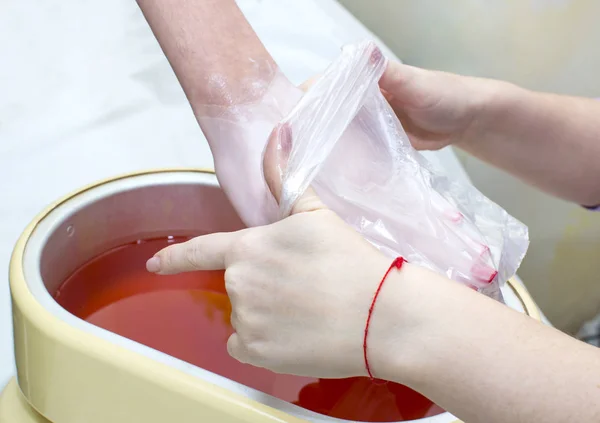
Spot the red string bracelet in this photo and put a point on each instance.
(397, 263)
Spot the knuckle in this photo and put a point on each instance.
(234, 320)
(233, 281)
(245, 331)
(255, 352)
(246, 244)
(244, 352)
(166, 258)
(251, 342)
(191, 254)
(170, 257)
(232, 274)
(235, 348)
(240, 320)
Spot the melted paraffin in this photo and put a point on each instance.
(187, 316)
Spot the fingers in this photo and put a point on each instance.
(235, 348)
(408, 85)
(277, 151)
(396, 74)
(275, 163)
(238, 351)
(206, 252)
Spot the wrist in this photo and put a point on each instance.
(493, 101)
(397, 317)
(408, 321)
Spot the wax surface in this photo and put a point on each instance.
(187, 316)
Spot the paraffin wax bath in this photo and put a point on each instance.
(187, 316)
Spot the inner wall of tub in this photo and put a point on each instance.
(139, 221)
(144, 212)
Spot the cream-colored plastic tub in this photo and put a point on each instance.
(70, 371)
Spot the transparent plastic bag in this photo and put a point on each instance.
(347, 143)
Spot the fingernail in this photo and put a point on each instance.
(153, 265)
(493, 276)
(285, 138)
(483, 273)
(376, 55)
(454, 216)
(284, 145)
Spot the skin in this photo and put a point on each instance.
(207, 38)
(301, 288)
(547, 140)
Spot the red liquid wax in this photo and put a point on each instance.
(187, 316)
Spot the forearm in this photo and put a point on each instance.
(550, 141)
(213, 50)
(473, 356)
(235, 88)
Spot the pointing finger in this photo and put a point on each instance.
(205, 252)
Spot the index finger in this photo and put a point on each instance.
(207, 252)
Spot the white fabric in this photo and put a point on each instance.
(86, 93)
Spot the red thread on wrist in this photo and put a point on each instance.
(397, 263)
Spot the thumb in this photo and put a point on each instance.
(275, 162)
(410, 86)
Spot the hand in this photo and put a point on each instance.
(435, 108)
(300, 289)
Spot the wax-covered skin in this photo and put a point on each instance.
(237, 135)
(234, 86)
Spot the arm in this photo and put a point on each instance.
(550, 141)
(212, 48)
(233, 85)
(481, 360)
